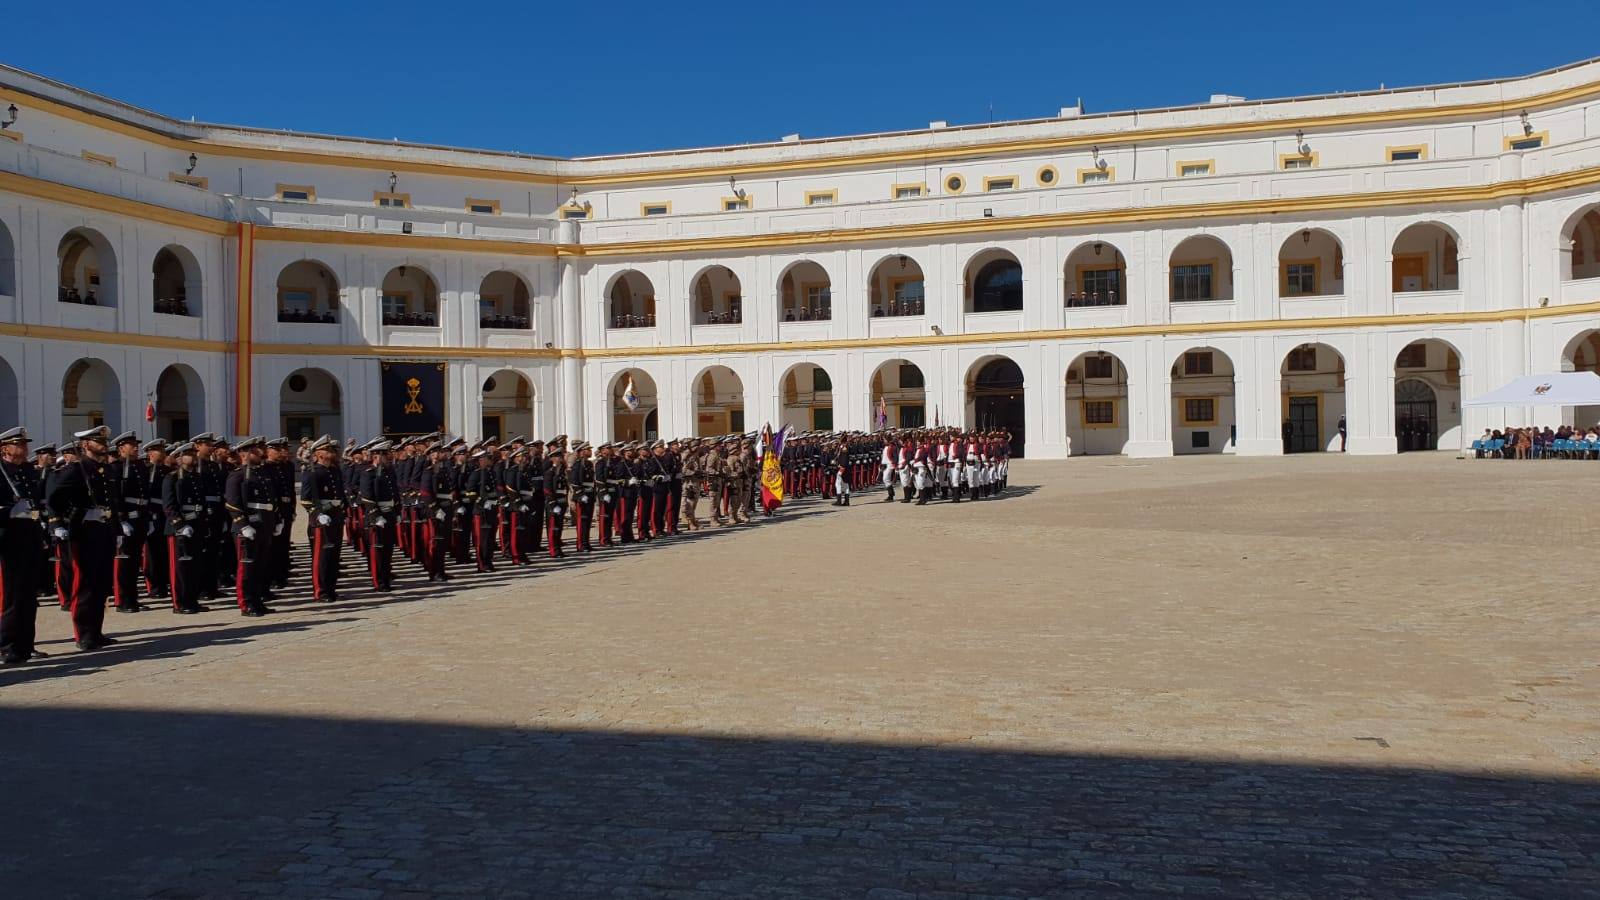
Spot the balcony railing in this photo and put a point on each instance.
(506, 322)
(71, 295)
(313, 317)
(896, 308)
(174, 306)
(648, 320)
(1094, 298)
(424, 319)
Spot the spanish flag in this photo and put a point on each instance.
(771, 469)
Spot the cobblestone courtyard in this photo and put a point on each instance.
(1299, 677)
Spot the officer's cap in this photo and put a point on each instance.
(17, 435)
(127, 437)
(157, 444)
(71, 447)
(380, 446)
(44, 448)
(479, 454)
(580, 445)
(183, 449)
(459, 450)
(324, 443)
(98, 433)
(491, 439)
(279, 443)
(536, 443)
(250, 443)
(204, 437)
(519, 439)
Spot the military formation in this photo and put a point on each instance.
(104, 522)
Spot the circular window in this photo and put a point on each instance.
(297, 383)
(1048, 175)
(955, 184)
(488, 386)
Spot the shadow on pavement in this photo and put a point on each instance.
(141, 803)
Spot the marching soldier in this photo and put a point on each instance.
(326, 502)
(354, 465)
(157, 561)
(658, 470)
(44, 461)
(130, 477)
(83, 505)
(183, 499)
(627, 493)
(280, 471)
(516, 492)
(380, 504)
(675, 487)
(251, 500)
(581, 476)
(841, 475)
(21, 547)
(56, 530)
(555, 497)
(484, 491)
(691, 476)
(461, 525)
(533, 467)
(439, 494)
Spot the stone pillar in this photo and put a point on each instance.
(571, 420)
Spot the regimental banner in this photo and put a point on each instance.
(413, 397)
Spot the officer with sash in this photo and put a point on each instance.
(21, 548)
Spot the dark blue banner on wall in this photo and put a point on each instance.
(413, 397)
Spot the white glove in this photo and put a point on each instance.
(127, 529)
(324, 519)
(608, 498)
(439, 515)
(277, 529)
(379, 522)
(248, 533)
(59, 533)
(186, 531)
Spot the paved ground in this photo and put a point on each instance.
(1303, 677)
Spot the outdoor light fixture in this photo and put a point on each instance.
(193, 161)
(405, 227)
(1300, 143)
(937, 330)
(988, 213)
(11, 117)
(549, 346)
(1305, 236)
(1527, 127)
(1098, 246)
(902, 262)
(402, 271)
(1098, 162)
(733, 185)
(393, 180)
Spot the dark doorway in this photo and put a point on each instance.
(1416, 416)
(297, 427)
(997, 402)
(998, 287)
(1303, 417)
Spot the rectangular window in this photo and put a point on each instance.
(1291, 161)
(1001, 183)
(905, 298)
(1101, 286)
(821, 198)
(574, 212)
(1096, 176)
(304, 193)
(1299, 278)
(908, 191)
(394, 305)
(295, 301)
(396, 201)
(1098, 366)
(1414, 356)
(910, 376)
(483, 207)
(662, 208)
(819, 301)
(1197, 362)
(735, 204)
(1407, 154)
(100, 158)
(1194, 168)
(1528, 141)
(194, 181)
(1099, 412)
(820, 381)
(1200, 411)
(1303, 359)
(1192, 282)
(913, 416)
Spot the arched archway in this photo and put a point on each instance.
(1582, 354)
(180, 403)
(896, 288)
(807, 393)
(1427, 396)
(1096, 274)
(1097, 414)
(175, 279)
(8, 266)
(631, 302)
(1201, 270)
(636, 419)
(410, 296)
(1202, 402)
(899, 396)
(718, 402)
(308, 292)
(1581, 235)
(1425, 259)
(310, 403)
(1313, 399)
(994, 282)
(717, 297)
(995, 399)
(503, 301)
(86, 268)
(507, 405)
(90, 396)
(1311, 264)
(805, 293)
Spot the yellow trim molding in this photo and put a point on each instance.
(149, 212)
(245, 324)
(194, 181)
(1097, 175)
(1083, 413)
(12, 134)
(955, 183)
(396, 201)
(100, 158)
(661, 207)
(1312, 160)
(403, 241)
(1000, 183)
(737, 204)
(1183, 417)
(921, 188)
(1053, 179)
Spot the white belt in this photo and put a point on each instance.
(135, 501)
(386, 504)
(23, 509)
(333, 502)
(213, 499)
(526, 493)
(132, 514)
(264, 507)
(98, 514)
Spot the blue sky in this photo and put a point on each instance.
(585, 78)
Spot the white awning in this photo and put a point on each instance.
(1556, 389)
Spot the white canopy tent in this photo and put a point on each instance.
(1555, 389)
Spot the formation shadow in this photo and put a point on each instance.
(148, 803)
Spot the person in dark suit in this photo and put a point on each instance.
(251, 500)
(380, 505)
(21, 549)
(323, 494)
(85, 513)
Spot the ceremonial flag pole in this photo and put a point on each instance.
(771, 468)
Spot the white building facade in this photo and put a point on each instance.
(1171, 281)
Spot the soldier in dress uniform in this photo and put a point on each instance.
(675, 492)
(658, 474)
(516, 490)
(56, 530)
(322, 491)
(483, 490)
(280, 470)
(841, 474)
(183, 499)
(580, 474)
(461, 524)
(157, 562)
(380, 504)
(251, 500)
(21, 548)
(130, 477)
(226, 548)
(44, 460)
(354, 464)
(533, 466)
(556, 486)
(85, 510)
(439, 494)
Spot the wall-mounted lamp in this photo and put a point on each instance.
(937, 330)
(393, 180)
(405, 227)
(11, 117)
(902, 262)
(1305, 236)
(1098, 246)
(193, 161)
(1099, 163)
(733, 185)
(988, 213)
(549, 346)
(1300, 143)
(402, 271)
(1527, 127)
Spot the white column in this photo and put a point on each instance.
(571, 420)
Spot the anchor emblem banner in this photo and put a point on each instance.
(413, 397)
